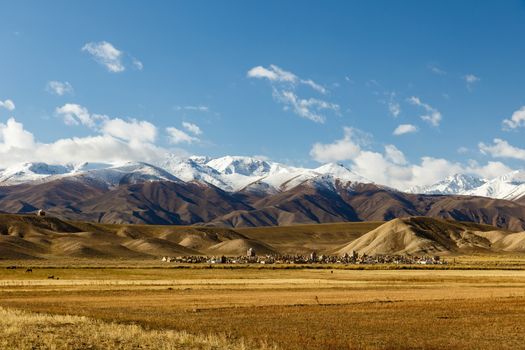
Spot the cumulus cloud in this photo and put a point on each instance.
(113, 59)
(177, 136)
(284, 85)
(19, 145)
(7, 104)
(193, 128)
(106, 54)
(393, 154)
(59, 88)
(13, 136)
(433, 116)
(488, 171)
(390, 166)
(132, 130)
(405, 129)
(502, 149)
(74, 114)
(273, 73)
(517, 120)
(344, 149)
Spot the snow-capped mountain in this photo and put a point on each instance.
(235, 173)
(109, 174)
(246, 166)
(509, 186)
(193, 169)
(27, 172)
(127, 173)
(229, 173)
(456, 184)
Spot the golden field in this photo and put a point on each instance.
(264, 308)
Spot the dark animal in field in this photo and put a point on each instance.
(11, 267)
(51, 277)
(29, 270)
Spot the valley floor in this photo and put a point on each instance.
(157, 307)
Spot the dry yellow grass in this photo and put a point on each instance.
(24, 330)
(294, 309)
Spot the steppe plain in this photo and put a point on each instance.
(474, 301)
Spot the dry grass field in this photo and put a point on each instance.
(24, 330)
(262, 308)
(100, 286)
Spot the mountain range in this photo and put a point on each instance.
(244, 191)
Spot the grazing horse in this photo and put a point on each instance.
(29, 270)
(51, 277)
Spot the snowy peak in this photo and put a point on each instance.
(250, 174)
(510, 186)
(128, 173)
(246, 166)
(339, 171)
(455, 184)
(193, 169)
(27, 172)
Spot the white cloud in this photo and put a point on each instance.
(177, 136)
(132, 130)
(193, 128)
(344, 149)
(199, 108)
(489, 171)
(394, 108)
(59, 88)
(393, 154)
(470, 79)
(137, 64)
(462, 150)
(306, 108)
(315, 86)
(74, 114)
(516, 120)
(13, 136)
(106, 54)
(277, 74)
(19, 145)
(405, 129)
(273, 73)
(284, 84)
(433, 116)
(7, 104)
(434, 68)
(502, 149)
(391, 167)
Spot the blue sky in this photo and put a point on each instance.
(332, 81)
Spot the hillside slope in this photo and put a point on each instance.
(421, 235)
(32, 237)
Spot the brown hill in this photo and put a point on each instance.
(422, 235)
(30, 236)
(168, 203)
